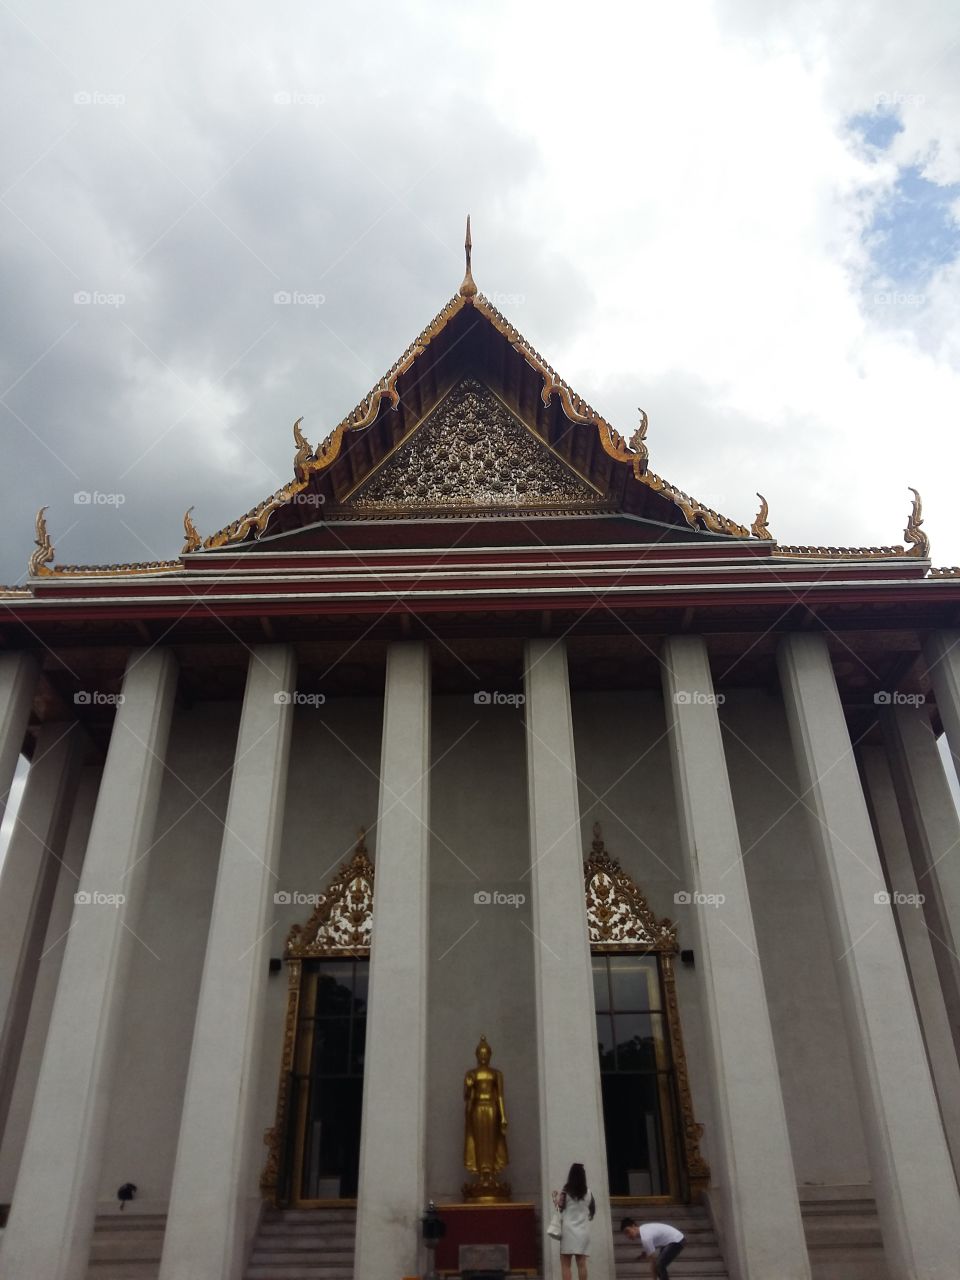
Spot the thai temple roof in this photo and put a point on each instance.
(472, 422)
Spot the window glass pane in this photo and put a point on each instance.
(605, 1041)
(334, 988)
(358, 1046)
(331, 1038)
(634, 982)
(601, 988)
(361, 983)
(636, 1050)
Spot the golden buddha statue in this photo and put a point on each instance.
(485, 1128)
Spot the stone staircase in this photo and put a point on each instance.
(126, 1246)
(841, 1225)
(843, 1233)
(304, 1244)
(701, 1258)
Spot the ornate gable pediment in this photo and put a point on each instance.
(617, 912)
(471, 452)
(342, 919)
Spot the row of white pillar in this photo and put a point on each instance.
(212, 1206)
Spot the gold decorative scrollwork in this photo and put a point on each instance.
(343, 917)
(194, 542)
(44, 553)
(304, 452)
(273, 1137)
(574, 407)
(760, 528)
(638, 442)
(617, 912)
(913, 533)
(698, 1171)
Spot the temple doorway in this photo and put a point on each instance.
(652, 1136)
(314, 1145)
(326, 1087)
(636, 1077)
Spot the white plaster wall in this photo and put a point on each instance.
(332, 790)
(481, 956)
(823, 1116)
(48, 973)
(164, 980)
(626, 785)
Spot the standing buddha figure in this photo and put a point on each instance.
(485, 1128)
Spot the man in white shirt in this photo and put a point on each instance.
(658, 1241)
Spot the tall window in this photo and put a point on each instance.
(328, 1078)
(636, 1074)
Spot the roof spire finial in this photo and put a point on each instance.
(468, 289)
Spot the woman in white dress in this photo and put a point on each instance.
(577, 1208)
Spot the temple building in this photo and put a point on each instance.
(477, 804)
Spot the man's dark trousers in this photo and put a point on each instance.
(667, 1254)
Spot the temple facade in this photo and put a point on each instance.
(480, 728)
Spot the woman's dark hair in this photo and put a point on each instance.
(576, 1184)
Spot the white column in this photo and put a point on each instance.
(28, 878)
(571, 1105)
(753, 1167)
(933, 831)
(54, 1204)
(910, 1164)
(48, 974)
(902, 880)
(393, 1138)
(213, 1176)
(942, 656)
(18, 679)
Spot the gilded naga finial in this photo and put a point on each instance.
(638, 442)
(468, 289)
(760, 528)
(194, 542)
(913, 533)
(304, 452)
(44, 552)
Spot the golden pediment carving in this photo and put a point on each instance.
(342, 919)
(471, 452)
(617, 912)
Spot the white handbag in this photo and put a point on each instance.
(555, 1229)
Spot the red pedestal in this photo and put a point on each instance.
(510, 1224)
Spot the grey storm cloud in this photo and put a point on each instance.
(159, 198)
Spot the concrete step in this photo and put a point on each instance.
(285, 1253)
(126, 1246)
(309, 1236)
(304, 1244)
(843, 1236)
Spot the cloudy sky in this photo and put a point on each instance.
(742, 216)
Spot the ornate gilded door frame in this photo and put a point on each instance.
(339, 928)
(619, 920)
